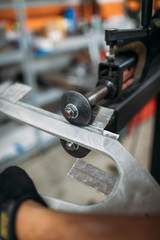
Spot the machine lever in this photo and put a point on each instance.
(146, 13)
(115, 36)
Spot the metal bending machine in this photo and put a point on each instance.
(127, 79)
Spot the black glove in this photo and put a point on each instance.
(15, 187)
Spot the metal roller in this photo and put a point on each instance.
(77, 108)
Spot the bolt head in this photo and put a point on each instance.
(71, 146)
(70, 111)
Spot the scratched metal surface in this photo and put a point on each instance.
(93, 177)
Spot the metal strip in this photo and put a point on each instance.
(4, 86)
(92, 177)
(48, 122)
(15, 92)
(101, 117)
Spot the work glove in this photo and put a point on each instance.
(15, 187)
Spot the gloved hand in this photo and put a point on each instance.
(15, 187)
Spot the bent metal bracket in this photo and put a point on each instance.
(134, 192)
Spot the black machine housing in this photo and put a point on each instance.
(118, 75)
(129, 101)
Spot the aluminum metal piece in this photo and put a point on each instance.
(101, 117)
(4, 86)
(92, 177)
(15, 92)
(136, 191)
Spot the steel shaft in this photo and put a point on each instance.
(97, 94)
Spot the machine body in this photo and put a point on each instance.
(127, 79)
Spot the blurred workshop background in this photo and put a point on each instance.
(54, 46)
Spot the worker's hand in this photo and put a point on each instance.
(15, 187)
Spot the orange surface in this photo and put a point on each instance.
(35, 11)
(8, 14)
(37, 16)
(110, 9)
(39, 23)
(133, 5)
(157, 4)
(88, 10)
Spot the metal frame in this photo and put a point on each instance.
(125, 110)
